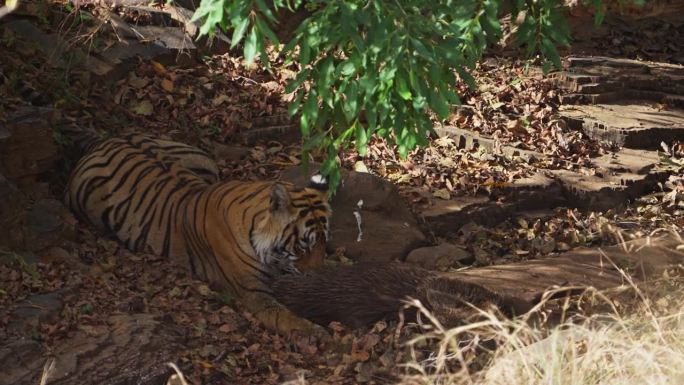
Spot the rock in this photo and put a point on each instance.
(390, 230)
(56, 49)
(49, 223)
(445, 217)
(163, 43)
(13, 204)
(32, 226)
(21, 359)
(629, 10)
(619, 177)
(636, 125)
(469, 140)
(598, 193)
(56, 254)
(536, 192)
(125, 54)
(30, 312)
(50, 44)
(42, 218)
(631, 103)
(172, 38)
(285, 132)
(176, 22)
(440, 257)
(525, 282)
(4, 133)
(28, 149)
(134, 349)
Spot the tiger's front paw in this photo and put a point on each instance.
(313, 332)
(283, 321)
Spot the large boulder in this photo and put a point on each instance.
(389, 229)
(32, 225)
(131, 349)
(27, 147)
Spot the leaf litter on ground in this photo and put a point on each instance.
(216, 101)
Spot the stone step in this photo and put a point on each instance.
(632, 123)
(630, 103)
(580, 268)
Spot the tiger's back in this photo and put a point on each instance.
(133, 187)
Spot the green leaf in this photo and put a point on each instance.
(314, 141)
(361, 139)
(452, 97)
(298, 80)
(439, 104)
(368, 83)
(309, 114)
(212, 13)
(239, 32)
(419, 102)
(326, 72)
(350, 105)
(331, 169)
(402, 88)
(294, 106)
(422, 50)
(549, 50)
(263, 8)
(600, 11)
(304, 53)
(467, 78)
(264, 28)
(394, 62)
(251, 46)
(372, 118)
(348, 68)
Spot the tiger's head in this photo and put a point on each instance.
(295, 230)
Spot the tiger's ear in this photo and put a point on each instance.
(280, 199)
(318, 182)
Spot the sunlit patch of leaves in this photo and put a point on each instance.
(520, 108)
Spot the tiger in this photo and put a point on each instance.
(165, 197)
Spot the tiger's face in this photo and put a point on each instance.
(295, 230)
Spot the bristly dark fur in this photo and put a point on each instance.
(362, 294)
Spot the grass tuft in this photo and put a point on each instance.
(638, 343)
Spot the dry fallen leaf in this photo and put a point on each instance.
(204, 290)
(137, 82)
(159, 68)
(220, 99)
(167, 85)
(442, 194)
(226, 328)
(143, 107)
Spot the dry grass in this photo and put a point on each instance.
(642, 343)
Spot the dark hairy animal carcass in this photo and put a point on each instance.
(362, 294)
